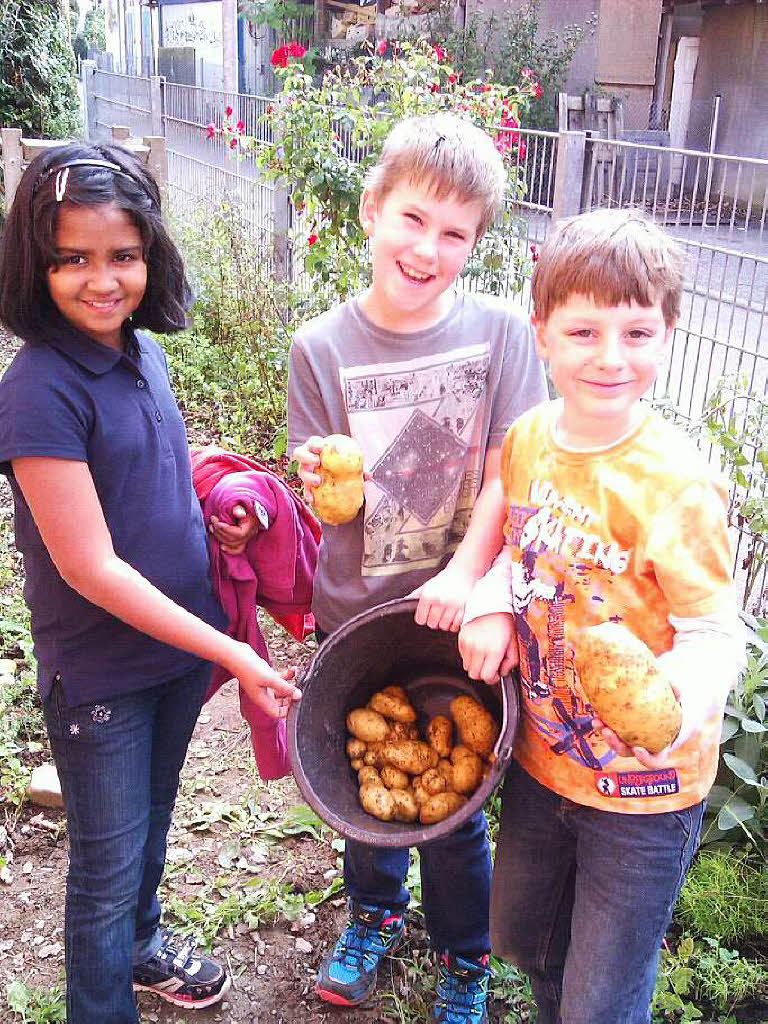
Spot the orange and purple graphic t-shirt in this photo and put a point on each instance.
(629, 534)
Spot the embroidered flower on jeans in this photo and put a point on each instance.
(74, 729)
(100, 713)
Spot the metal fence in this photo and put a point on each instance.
(714, 204)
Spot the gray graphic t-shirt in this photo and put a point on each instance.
(424, 407)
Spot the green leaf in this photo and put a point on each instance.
(730, 728)
(735, 812)
(740, 768)
(718, 796)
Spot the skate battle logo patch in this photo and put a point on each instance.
(658, 782)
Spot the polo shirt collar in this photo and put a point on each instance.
(88, 353)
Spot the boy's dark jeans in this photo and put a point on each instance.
(455, 882)
(582, 898)
(118, 764)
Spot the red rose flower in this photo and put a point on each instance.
(228, 111)
(433, 86)
(233, 143)
(312, 239)
(279, 58)
(211, 129)
(381, 49)
(440, 52)
(522, 149)
(534, 254)
(536, 89)
(240, 127)
(296, 50)
(453, 78)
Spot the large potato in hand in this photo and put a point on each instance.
(339, 495)
(622, 682)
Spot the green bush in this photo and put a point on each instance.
(726, 896)
(38, 81)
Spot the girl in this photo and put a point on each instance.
(117, 579)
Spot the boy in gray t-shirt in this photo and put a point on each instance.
(427, 380)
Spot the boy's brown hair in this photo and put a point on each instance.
(450, 156)
(612, 256)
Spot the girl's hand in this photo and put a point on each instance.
(488, 646)
(442, 599)
(272, 691)
(233, 538)
(308, 457)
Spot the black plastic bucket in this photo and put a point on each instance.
(376, 648)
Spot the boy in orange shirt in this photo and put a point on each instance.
(613, 515)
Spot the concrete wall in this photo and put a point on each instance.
(733, 61)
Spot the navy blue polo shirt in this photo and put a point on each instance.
(70, 397)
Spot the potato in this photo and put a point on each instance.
(339, 495)
(446, 770)
(374, 756)
(402, 731)
(433, 782)
(357, 763)
(367, 725)
(396, 691)
(438, 807)
(459, 752)
(378, 801)
(476, 725)
(406, 808)
(368, 776)
(467, 774)
(410, 756)
(355, 748)
(391, 706)
(439, 734)
(393, 778)
(622, 682)
(420, 794)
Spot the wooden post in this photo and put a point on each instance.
(156, 91)
(157, 161)
(87, 77)
(12, 162)
(569, 174)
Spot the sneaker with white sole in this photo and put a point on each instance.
(181, 975)
(348, 974)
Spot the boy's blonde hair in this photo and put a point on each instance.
(612, 256)
(447, 154)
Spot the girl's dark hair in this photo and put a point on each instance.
(27, 246)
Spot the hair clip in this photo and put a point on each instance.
(62, 177)
(438, 140)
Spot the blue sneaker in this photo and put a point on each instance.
(462, 990)
(348, 974)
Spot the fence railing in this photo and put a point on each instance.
(714, 204)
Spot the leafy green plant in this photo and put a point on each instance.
(325, 137)
(36, 1005)
(738, 802)
(229, 370)
(726, 896)
(38, 83)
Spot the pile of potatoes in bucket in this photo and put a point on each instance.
(404, 777)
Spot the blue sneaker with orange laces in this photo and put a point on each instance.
(462, 990)
(348, 974)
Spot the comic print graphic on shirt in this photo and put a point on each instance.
(425, 480)
(560, 549)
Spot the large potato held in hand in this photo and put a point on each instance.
(339, 495)
(622, 682)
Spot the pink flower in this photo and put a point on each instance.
(228, 111)
(440, 52)
(312, 239)
(534, 254)
(381, 49)
(453, 78)
(522, 149)
(240, 127)
(233, 143)
(433, 86)
(536, 89)
(485, 87)
(211, 130)
(526, 72)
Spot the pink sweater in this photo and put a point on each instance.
(275, 571)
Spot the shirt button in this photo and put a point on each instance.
(141, 383)
(159, 417)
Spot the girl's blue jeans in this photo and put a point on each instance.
(118, 764)
(581, 900)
